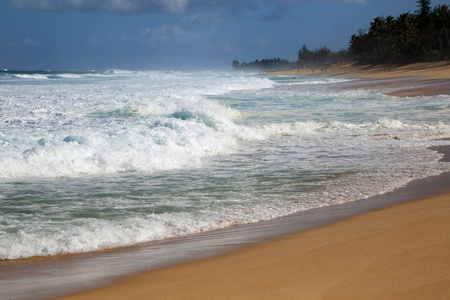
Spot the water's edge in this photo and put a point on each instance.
(45, 278)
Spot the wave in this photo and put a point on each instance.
(306, 80)
(44, 74)
(55, 74)
(97, 160)
(182, 139)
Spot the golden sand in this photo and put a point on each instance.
(423, 79)
(434, 70)
(401, 252)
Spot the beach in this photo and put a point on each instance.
(436, 70)
(389, 246)
(419, 79)
(399, 252)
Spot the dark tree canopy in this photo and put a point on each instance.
(424, 8)
(264, 64)
(320, 56)
(423, 36)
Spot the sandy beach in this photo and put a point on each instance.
(419, 79)
(399, 252)
(394, 253)
(391, 246)
(434, 70)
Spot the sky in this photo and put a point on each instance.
(177, 34)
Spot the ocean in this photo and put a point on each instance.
(98, 160)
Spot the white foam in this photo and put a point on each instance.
(238, 148)
(31, 76)
(148, 129)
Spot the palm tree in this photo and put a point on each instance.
(425, 25)
(423, 35)
(407, 34)
(441, 20)
(391, 39)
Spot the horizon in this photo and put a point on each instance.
(185, 35)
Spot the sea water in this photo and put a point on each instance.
(97, 160)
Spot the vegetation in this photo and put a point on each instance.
(306, 58)
(411, 37)
(422, 36)
(322, 56)
(264, 64)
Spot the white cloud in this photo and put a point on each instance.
(32, 4)
(169, 6)
(94, 40)
(174, 6)
(168, 35)
(155, 36)
(188, 31)
(126, 6)
(27, 41)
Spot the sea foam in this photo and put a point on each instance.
(96, 160)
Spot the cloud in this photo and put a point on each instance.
(31, 4)
(168, 6)
(27, 41)
(155, 36)
(125, 6)
(261, 43)
(174, 6)
(189, 30)
(94, 40)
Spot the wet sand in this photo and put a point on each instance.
(401, 252)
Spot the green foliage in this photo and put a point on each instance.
(423, 36)
(322, 56)
(307, 57)
(424, 8)
(264, 64)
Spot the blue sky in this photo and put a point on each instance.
(177, 34)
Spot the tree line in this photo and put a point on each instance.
(321, 56)
(410, 37)
(306, 58)
(264, 64)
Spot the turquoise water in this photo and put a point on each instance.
(96, 160)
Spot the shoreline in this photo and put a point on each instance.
(325, 252)
(268, 270)
(400, 252)
(48, 277)
(51, 277)
(412, 80)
